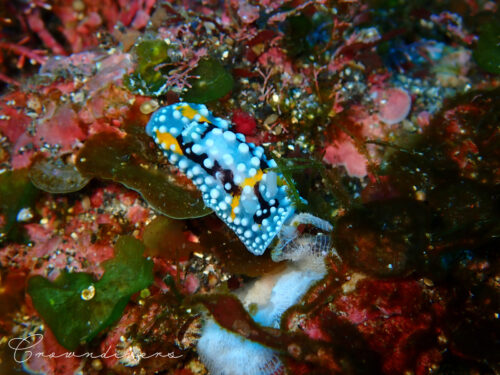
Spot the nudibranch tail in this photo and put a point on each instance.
(236, 179)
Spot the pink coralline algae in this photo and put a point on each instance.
(393, 104)
(69, 244)
(344, 152)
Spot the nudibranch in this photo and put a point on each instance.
(235, 178)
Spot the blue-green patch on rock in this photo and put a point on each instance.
(77, 307)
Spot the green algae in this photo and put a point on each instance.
(213, 82)
(16, 193)
(121, 159)
(152, 69)
(300, 174)
(487, 52)
(286, 168)
(165, 237)
(56, 176)
(77, 307)
(296, 30)
(305, 33)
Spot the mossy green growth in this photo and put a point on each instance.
(296, 30)
(77, 307)
(152, 69)
(16, 193)
(487, 52)
(213, 83)
(287, 167)
(307, 34)
(125, 160)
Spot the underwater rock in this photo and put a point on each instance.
(383, 238)
(233, 254)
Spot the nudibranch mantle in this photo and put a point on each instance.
(236, 179)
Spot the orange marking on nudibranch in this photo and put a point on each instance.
(189, 112)
(235, 203)
(249, 181)
(167, 140)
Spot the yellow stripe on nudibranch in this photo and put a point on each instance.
(235, 203)
(167, 140)
(189, 112)
(249, 181)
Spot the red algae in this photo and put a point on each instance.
(344, 152)
(244, 123)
